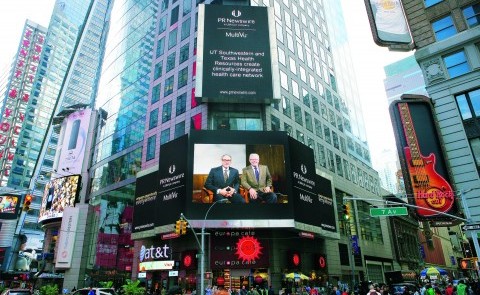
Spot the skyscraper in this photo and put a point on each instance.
(148, 90)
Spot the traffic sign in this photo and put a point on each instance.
(471, 226)
(389, 211)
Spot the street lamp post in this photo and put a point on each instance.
(202, 248)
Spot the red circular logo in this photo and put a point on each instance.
(322, 262)
(248, 249)
(296, 259)
(187, 260)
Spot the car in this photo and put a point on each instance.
(98, 291)
(400, 288)
(17, 291)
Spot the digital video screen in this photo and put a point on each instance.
(59, 193)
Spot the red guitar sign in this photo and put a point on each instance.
(430, 190)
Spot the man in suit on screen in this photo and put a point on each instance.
(224, 182)
(258, 181)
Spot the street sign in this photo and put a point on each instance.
(471, 226)
(389, 211)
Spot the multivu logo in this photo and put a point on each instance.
(171, 169)
(236, 13)
(303, 168)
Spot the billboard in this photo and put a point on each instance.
(75, 130)
(232, 64)
(9, 205)
(388, 23)
(300, 198)
(59, 193)
(419, 145)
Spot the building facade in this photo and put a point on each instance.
(446, 35)
(150, 69)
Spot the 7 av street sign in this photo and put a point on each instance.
(471, 226)
(390, 211)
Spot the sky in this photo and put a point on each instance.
(365, 54)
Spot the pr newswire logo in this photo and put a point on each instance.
(236, 13)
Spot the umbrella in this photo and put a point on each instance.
(432, 272)
(294, 275)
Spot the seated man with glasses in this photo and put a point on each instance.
(224, 182)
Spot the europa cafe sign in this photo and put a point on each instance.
(155, 258)
(238, 249)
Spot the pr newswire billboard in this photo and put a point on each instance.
(190, 165)
(236, 55)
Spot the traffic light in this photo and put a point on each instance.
(346, 212)
(184, 227)
(27, 202)
(178, 227)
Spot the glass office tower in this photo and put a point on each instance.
(147, 88)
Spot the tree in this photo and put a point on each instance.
(49, 290)
(133, 288)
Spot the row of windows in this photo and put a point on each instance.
(168, 85)
(180, 108)
(326, 158)
(469, 106)
(179, 130)
(444, 28)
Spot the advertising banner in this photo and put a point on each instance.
(172, 174)
(388, 23)
(66, 240)
(74, 141)
(427, 181)
(9, 206)
(239, 249)
(59, 193)
(146, 191)
(236, 47)
(312, 193)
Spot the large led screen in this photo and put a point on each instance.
(8, 206)
(419, 145)
(236, 55)
(59, 193)
(210, 149)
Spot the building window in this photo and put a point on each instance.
(187, 6)
(181, 104)
(330, 160)
(182, 77)
(287, 128)
(165, 136)
(158, 70)
(283, 80)
(167, 112)
(153, 119)
(168, 86)
(318, 128)
(469, 104)
(287, 110)
(316, 109)
(184, 53)
(151, 147)
(163, 24)
(170, 62)
(456, 64)
(185, 29)
(172, 38)
(471, 14)
(298, 114)
(164, 5)
(429, 3)
(322, 160)
(155, 93)
(174, 15)
(275, 125)
(475, 146)
(308, 121)
(179, 129)
(326, 133)
(160, 47)
(444, 28)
